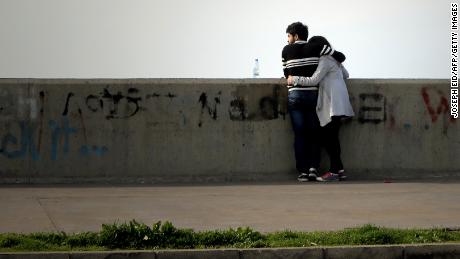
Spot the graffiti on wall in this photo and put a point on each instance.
(24, 138)
(437, 106)
(371, 108)
(26, 141)
(25, 145)
(245, 105)
(22, 146)
(268, 107)
(374, 108)
(117, 105)
(208, 107)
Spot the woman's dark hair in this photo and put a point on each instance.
(298, 28)
(319, 40)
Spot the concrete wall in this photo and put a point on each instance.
(206, 130)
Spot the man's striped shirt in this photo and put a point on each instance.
(302, 58)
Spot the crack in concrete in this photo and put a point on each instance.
(47, 214)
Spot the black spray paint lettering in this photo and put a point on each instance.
(153, 95)
(113, 103)
(170, 95)
(94, 103)
(269, 105)
(372, 108)
(114, 100)
(212, 111)
(66, 108)
(277, 109)
(157, 95)
(238, 111)
(41, 118)
(268, 108)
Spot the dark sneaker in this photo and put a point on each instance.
(328, 177)
(303, 177)
(342, 176)
(312, 174)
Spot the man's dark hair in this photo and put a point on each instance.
(318, 40)
(298, 28)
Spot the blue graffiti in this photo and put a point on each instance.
(57, 133)
(24, 147)
(27, 145)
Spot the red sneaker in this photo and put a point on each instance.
(328, 177)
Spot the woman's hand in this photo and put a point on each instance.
(290, 80)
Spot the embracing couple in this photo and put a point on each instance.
(317, 101)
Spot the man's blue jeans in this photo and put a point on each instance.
(305, 123)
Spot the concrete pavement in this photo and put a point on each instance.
(266, 207)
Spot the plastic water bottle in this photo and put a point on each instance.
(255, 70)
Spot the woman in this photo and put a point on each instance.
(333, 104)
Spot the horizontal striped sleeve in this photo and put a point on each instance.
(302, 62)
(327, 50)
(322, 51)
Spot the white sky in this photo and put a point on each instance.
(217, 38)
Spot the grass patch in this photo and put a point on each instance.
(135, 235)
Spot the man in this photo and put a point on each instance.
(301, 59)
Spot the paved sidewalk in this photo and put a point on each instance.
(266, 207)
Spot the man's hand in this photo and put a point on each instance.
(290, 80)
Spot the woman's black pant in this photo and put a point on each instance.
(330, 140)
